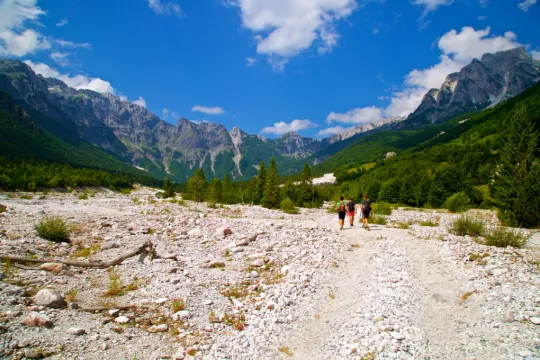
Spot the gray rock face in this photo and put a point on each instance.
(382, 122)
(49, 298)
(481, 84)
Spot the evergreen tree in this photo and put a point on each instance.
(260, 184)
(168, 187)
(516, 161)
(215, 191)
(196, 186)
(228, 195)
(271, 197)
(527, 208)
(306, 186)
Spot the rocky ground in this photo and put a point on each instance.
(241, 282)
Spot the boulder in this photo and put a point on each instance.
(37, 319)
(49, 298)
(53, 267)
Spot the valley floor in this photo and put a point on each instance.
(241, 282)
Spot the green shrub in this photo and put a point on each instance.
(53, 229)
(459, 202)
(3, 208)
(83, 196)
(382, 208)
(466, 225)
(379, 220)
(288, 207)
(503, 237)
(430, 222)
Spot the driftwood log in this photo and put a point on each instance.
(147, 248)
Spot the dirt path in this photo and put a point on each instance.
(395, 296)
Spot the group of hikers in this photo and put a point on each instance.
(348, 208)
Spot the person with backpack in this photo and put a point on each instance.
(366, 211)
(351, 208)
(341, 208)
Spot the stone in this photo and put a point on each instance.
(76, 331)
(258, 263)
(195, 232)
(397, 335)
(181, 315)
(33, 354)
(254, 274)
(114, 312)
(121, 320)
(158, 328)
(37, 319)
(53, 267)
(74, 306)
(49, 298)
(161, 301)
(12, 290)
(110, 245)
(508, 317)
(535, 320)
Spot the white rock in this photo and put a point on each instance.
(181, 315)
(76, 331)
(535, 320)
(121, 319)
(49, 298)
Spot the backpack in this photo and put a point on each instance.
(351, 206)
(367, 206)
(341, 206)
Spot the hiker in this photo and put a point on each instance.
(366, 211)
(341, 208)
(351, 208)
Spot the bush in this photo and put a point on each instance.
(503, 237)
(382, 208)
(459, 202)
(378, 220)
(288, 207)
(466, 225)
(53, 229)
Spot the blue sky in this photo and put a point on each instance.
(267, 66)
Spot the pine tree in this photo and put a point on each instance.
(168, 187)
(215, 191)
(272, 194)
(196, 186)
(228, 195)
(260, 184)
(306, 186)
(517, 158)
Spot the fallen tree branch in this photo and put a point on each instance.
(146, 248)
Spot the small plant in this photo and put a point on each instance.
(30, 254)
(503, 237)
(178, 305)
(54, 229)
(382, 208)
(212, 205)
(378, 220)
(475, 257)
(332, 295)
(87, 251)
(116, 286)
(287, 206)
(430, 222)
(331, 209)
(459, 202)
(26, 197)
(403, 225)
(71, 295)
(83, 196)
(135, 200)
(465, 297)
(235, 292)
(3, 208)
(466, 225)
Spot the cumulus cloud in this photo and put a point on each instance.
(77, 82)
(140, 101)
(282, 127)
(535, 54)
(283, 28)
(525, 5)
(458, 49)
(70, 44)
(250, 61)
(432, 5)
(60, 58)
(165, 7)
(62, 22)
(332, 131)
(356, 116)
(15, 38)
(216, 110)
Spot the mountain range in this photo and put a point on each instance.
(134, 136)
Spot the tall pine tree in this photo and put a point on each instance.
(306, 186)
(260, 184)
(196, 186)
(215, 191)
(272, 194)
(517, 158)
(228, 195)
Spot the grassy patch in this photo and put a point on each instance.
(235, 292)
(430, 222)
(382, 208)
(87, 251)
(3, 208)
(287, 206)
(71, 295)
(404, 225)
(178, 305)
(503, 237)
(466, 225)
(378, 220)
(54, 229)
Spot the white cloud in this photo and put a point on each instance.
(283, 28)
(458, 50)
(216, 110)
(282, 127)
(123, 98)
(15, 38)
(70, 44)
(78, 81)
(140, 101)
(62, 22)
(332, 131)
(60, 58)
(165, 113)
(526, 4)
(356, 116)
(482, 18)
(250, 61)
(165, 7)
(432, 5)
(535, 54)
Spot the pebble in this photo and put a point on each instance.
(76, 331)
(121, 320)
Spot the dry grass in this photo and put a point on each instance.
(71, 295)
(466, 296)
(285, 350)
(178, 305)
